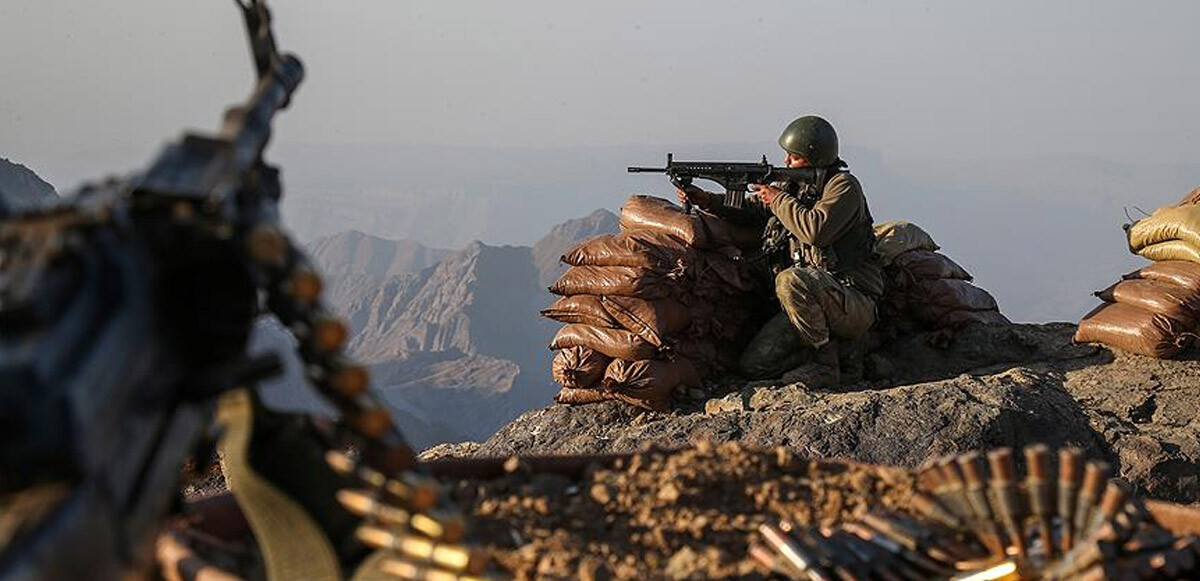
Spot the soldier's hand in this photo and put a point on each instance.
(766, 194)
(695, 195)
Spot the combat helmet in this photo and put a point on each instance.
(812, 138)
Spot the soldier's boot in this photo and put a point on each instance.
(852, 355)
(822, 372)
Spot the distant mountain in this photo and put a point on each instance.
(21, 188)
(453, 338)
(561, 238)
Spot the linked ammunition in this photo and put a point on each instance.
(830, 556)
(1095, 475)
(932, 509)
(1041, 494)
(1008, 502)
(974, 471)
(418, 493)
(424, 551)
(793, 554)
(303, 285)
(892, 547)
(1116, 494)
(1070, 476)
(413, 572)
(328, 334)
(443, 527)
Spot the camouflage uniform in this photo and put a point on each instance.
(819, 245)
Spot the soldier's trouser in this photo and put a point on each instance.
(816, 308)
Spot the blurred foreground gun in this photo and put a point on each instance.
(735, 177)
(125, 313)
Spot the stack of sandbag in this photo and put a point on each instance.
(651, 310)
(1153, 311)
(1170, 233)
(926, 285)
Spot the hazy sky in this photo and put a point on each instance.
(935, 79)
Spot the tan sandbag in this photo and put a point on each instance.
(625, 281)
(1165, 224)
(1192, 198)
(1176, 272)
(697, 230)
(898, 236)
(928, 265)
(931, 300)
(1171, 250)
(717, 272)
(956, 319)
(649, 383)
(651, 320)
(1131, 329)
(579, 367)
(584, 309)
(616, 343)
(642, 249)
(1168, 300)
(571, 396)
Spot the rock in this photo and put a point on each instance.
(684, 564)
(1141, 414)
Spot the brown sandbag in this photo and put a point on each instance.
(616, 343)
(584, 309)
(1171, 250)
(698, 229)
(649, 383)
(1176, 272)
(571, 396)
(625, 281)
(931, 300)
(897, 237)
(956, 319)
(1192, 198)
(1168, 300)
(1167, 223)
(579, 367)
(1131, 329)
(650, 320)
(642, 249)
(929, 265)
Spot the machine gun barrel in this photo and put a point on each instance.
(736, 177)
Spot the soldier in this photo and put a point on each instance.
(819, 244)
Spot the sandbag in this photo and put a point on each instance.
(579, 367)
(625, 281)
(570, 396)
(717, 274)
(1131, 329)
(651, 320)
(1171, 301)
(956, 319)
(1192, 198)
(1167, 223)
(698, 229)
(649, 383)
(897, 237)
(931, 300)
(1171, 250)
(642, 249)
(928, 265)
(1176, 272)
(583, 309)
(616, 343)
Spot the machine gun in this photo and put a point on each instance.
(125, 312)
(735, 177)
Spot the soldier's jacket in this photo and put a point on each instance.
(832, 232)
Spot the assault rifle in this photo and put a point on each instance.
(124, 314)
(735, 177)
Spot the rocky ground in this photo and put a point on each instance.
(684, 515)
(986, 387)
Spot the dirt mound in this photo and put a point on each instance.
(990, 386)
(682, 515)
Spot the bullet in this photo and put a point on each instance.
(443, 527)
(932, 509)
(1005, 490)
(412, 572)
(1116, 494)
(974, 470)
(266, 244)
(349, 379)
(328, 334)
(304, 285)
(418, 493)
(793, 554)
(456, 558)
(1070, 476)
(1095, 476)
(1041, 494)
